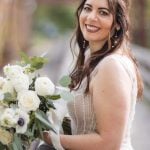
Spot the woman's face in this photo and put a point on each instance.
(96, 20)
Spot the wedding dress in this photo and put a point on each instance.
(83, 120)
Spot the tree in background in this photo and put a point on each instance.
(141, 23)
(15, 26)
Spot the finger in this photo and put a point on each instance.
(47, 138)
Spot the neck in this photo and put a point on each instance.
(95, 46)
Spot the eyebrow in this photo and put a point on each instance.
(98, 8)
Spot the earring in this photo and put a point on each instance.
(84, 42)
(116, 38)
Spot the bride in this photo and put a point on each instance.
(106, 82)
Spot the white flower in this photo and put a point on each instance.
(8, 88)
(26, 68)
(7, 118)
(5, 137)
(13, 71)
(1, 95)
(21, 83)
(2, 82)
(2, 109)
(44, 86)
(22, 121)
(28, 100)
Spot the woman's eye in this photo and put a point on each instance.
(87, 9)
(104, 13)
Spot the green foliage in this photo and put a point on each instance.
(8, 97)
(34, 62)
(53, 97)
(62, 16)
(41, 116)
(2, 146)
(17, 144)
(65, 81)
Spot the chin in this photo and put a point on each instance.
(92, 39)
(89, 37)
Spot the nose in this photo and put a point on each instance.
(93, 16)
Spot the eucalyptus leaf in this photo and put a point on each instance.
(42, 114)
(42, 119)
(50, 104)
(67, 96)
(18, 142)
(2, 146)
(33, 129)
(14, 145)
(65, 81)
(40, 129)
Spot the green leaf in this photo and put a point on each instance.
(35, 62)
(38, 62)
(14, 145)
(2, 146)
(29, 133)
(50, 104)
(53, 97)
(67, 96)
(42, 114)
(25, 58)
(18, 142)
(65, 81)
(8, 97)
(40, 129)
(42, 118)
(33, 129)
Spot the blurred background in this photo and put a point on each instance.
(40, 27)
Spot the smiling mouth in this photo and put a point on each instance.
(91, 28)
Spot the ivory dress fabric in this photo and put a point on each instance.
(83, 120)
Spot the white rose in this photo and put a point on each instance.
(44, 86)
(22, 121)
(1, 95)
(5, 137)
(13, 71)
(28, 100)
(8, 88)
(2, 82)
(7, 118)
(2, 109)
(21, 83)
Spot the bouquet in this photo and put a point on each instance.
(25, 100)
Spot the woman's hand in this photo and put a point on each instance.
(47, 138)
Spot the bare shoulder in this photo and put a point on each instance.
(111, 72)
(111, 66)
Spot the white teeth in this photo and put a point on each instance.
(92, 28)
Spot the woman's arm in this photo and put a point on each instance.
(110, 90)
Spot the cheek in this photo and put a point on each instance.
(107, 24)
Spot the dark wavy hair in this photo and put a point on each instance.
(120, 12)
